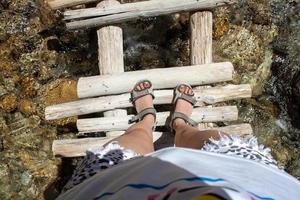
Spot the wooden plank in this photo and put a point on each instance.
(201, 41)
(58, 4)
(78, 147)
(210, 95)
(160, 78)
(126, 12)
(202, 114)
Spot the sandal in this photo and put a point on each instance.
(135, 95)
(174, 115)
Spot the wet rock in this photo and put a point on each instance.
(9, 103)
(220, 27)
(282, 155)
(242, 48)
(2, 91)
(27, 107)
(28, 86)
(61, 91)
(261, 75)
(6, 66)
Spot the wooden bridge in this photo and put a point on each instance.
(109, 91)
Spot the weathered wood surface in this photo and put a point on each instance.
(210, 95)
(160, 78)
(110, 45)
(201, 41)
(201, 38)
(110, 52)
(129, 11)
(242, 130)
(78, 147)
(57, 4)
(201, 114)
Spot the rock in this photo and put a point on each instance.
(242, 48)
(282, 155)
(26, 178)
(6, 66)
(296, 89)
(27, 107)
(9, 103)
(261, 75)
(220, 27)
(46, 73)
(29, 86)
(2, 91)
(61, 91)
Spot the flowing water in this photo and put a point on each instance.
(40, 62)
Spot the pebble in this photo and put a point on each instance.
(9, 103)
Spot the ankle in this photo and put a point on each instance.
(149, 119)
(177, 123)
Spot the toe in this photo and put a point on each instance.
(146, 84)
(186, 91)
(181, 88)
(190, 92)
(142, 86)
(138, 88)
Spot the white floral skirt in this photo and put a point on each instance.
(105, 157)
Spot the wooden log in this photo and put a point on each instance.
(201, 41)
(202, 114)
(201, 38)
(78, 147)
(210, 95)
(126, 12)
(57, 4)
(160, 78)
(242, 130)
(110, 52)
(110, 45)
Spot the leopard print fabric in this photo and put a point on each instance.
(98, 160)
(244, 148)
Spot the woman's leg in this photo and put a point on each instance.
(186, 135)
(190, 137)
(139, 137)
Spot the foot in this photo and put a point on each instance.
(183, 106)
(145, 101)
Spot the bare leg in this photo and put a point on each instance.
(139, 137)
(186, 135)
(190, 137)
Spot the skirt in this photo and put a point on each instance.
(113, 154)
